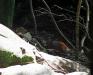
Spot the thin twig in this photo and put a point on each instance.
(88, 17)
(64, 9)
(38, 43)
(62, 70)
(46, 12)
(87, 24)
(68, 11)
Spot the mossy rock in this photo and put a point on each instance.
(8, 58)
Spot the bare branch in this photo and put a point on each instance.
(77, 24)
(46, 12)
(64, 9)
(33, 16)
(87, 24)
(57, 25)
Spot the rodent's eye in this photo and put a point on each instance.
(21, 35)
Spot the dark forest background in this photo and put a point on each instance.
(18, 13)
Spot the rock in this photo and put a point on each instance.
(24, 34)
(27, 36)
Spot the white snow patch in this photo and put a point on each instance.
(77, 73)
(13, 43)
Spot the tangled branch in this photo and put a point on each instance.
(57, 25)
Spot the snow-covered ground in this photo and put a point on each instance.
(11, 42)
(33, 69)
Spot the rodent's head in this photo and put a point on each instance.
(21, 30)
